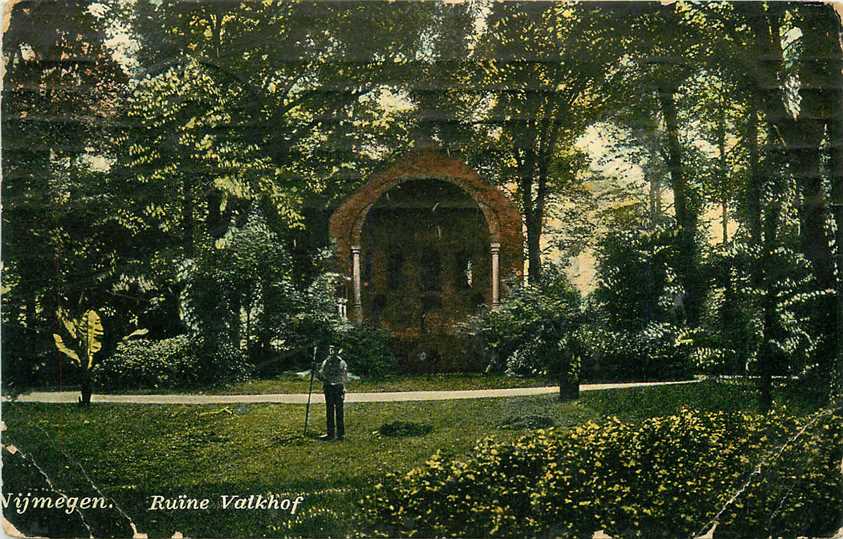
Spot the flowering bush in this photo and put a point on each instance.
(665, 477)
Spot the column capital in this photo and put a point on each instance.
(495, 247)
(355, 249)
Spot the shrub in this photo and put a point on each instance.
(661, 351)
(533, 358)
(530, 333)
(177, 362)
(438, 353)
(225, 364)
(149, 364)
(665, 477)
(240, 289)
(634, 276)
(734, 317)
(367, 350)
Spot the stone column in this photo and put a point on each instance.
(495, 249)
(357, 303)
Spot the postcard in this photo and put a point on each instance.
(452, 269)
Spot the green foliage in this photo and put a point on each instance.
(240, 291)
(223, 111)
(59, 86)
(181, 147)
(533, 330)
(225, 364)
(637, 309)
(86, 332)
(367, 350)
(735, 324)
(660, 351)
(537, 94)
(634, 277)
(316, 320)
(174, 363)
(150, 364)
(666, 477)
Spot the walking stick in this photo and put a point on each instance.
(310, 391)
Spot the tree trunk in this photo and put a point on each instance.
(724, 173)
(754, 202)
(569, 387)
(686, 213)
(217, 225)
(570, 370)
(767, 352)
(532, 217)
(803, 135)
(754, 189)
(813, 235)
(771, 330)
(534, 248)
(727, 313)
(86, 389)
(761, 231)
(837, 178)
(654, 198)
(815, 241)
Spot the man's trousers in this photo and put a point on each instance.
(334, 397)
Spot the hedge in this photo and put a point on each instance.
(176, 362)
(664, 477)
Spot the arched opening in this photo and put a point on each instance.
(502, 232)
(420, 242)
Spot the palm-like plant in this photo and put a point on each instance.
(85, 334)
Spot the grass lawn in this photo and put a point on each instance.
(132, 452)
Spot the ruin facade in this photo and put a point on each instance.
(424, 244)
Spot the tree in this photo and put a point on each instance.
(240, 292)
(533, 332)
(59, 92)
(665, 61)
(635, 282)
(792, 53)
(802, 136)
(540, 92)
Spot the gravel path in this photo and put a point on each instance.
(301, 398)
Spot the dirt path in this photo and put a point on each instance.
(301, 398)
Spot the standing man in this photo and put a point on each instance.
(334, 375)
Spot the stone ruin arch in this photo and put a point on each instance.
(501, 215)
